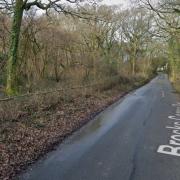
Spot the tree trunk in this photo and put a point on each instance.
(133, 65)
(11, 86)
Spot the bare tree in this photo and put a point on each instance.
(168, 12)
(136, 28)
(168, 20)
(17, 7)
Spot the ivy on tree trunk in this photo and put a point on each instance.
(11, 86)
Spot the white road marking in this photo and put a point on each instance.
(177, 104)
(174, 118)
(170, 150)
(173, 148)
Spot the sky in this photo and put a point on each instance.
(123, 3)
(116, 2)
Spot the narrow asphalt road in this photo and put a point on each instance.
(122, 143)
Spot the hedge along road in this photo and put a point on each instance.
(125, 142)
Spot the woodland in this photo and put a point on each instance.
(64, 61)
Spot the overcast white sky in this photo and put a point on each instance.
(124, 3)
(116, 2)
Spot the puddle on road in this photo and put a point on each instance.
(99, 125)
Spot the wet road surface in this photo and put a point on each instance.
(120, 144)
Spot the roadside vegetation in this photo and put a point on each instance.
(62, 65)
(167, 17)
